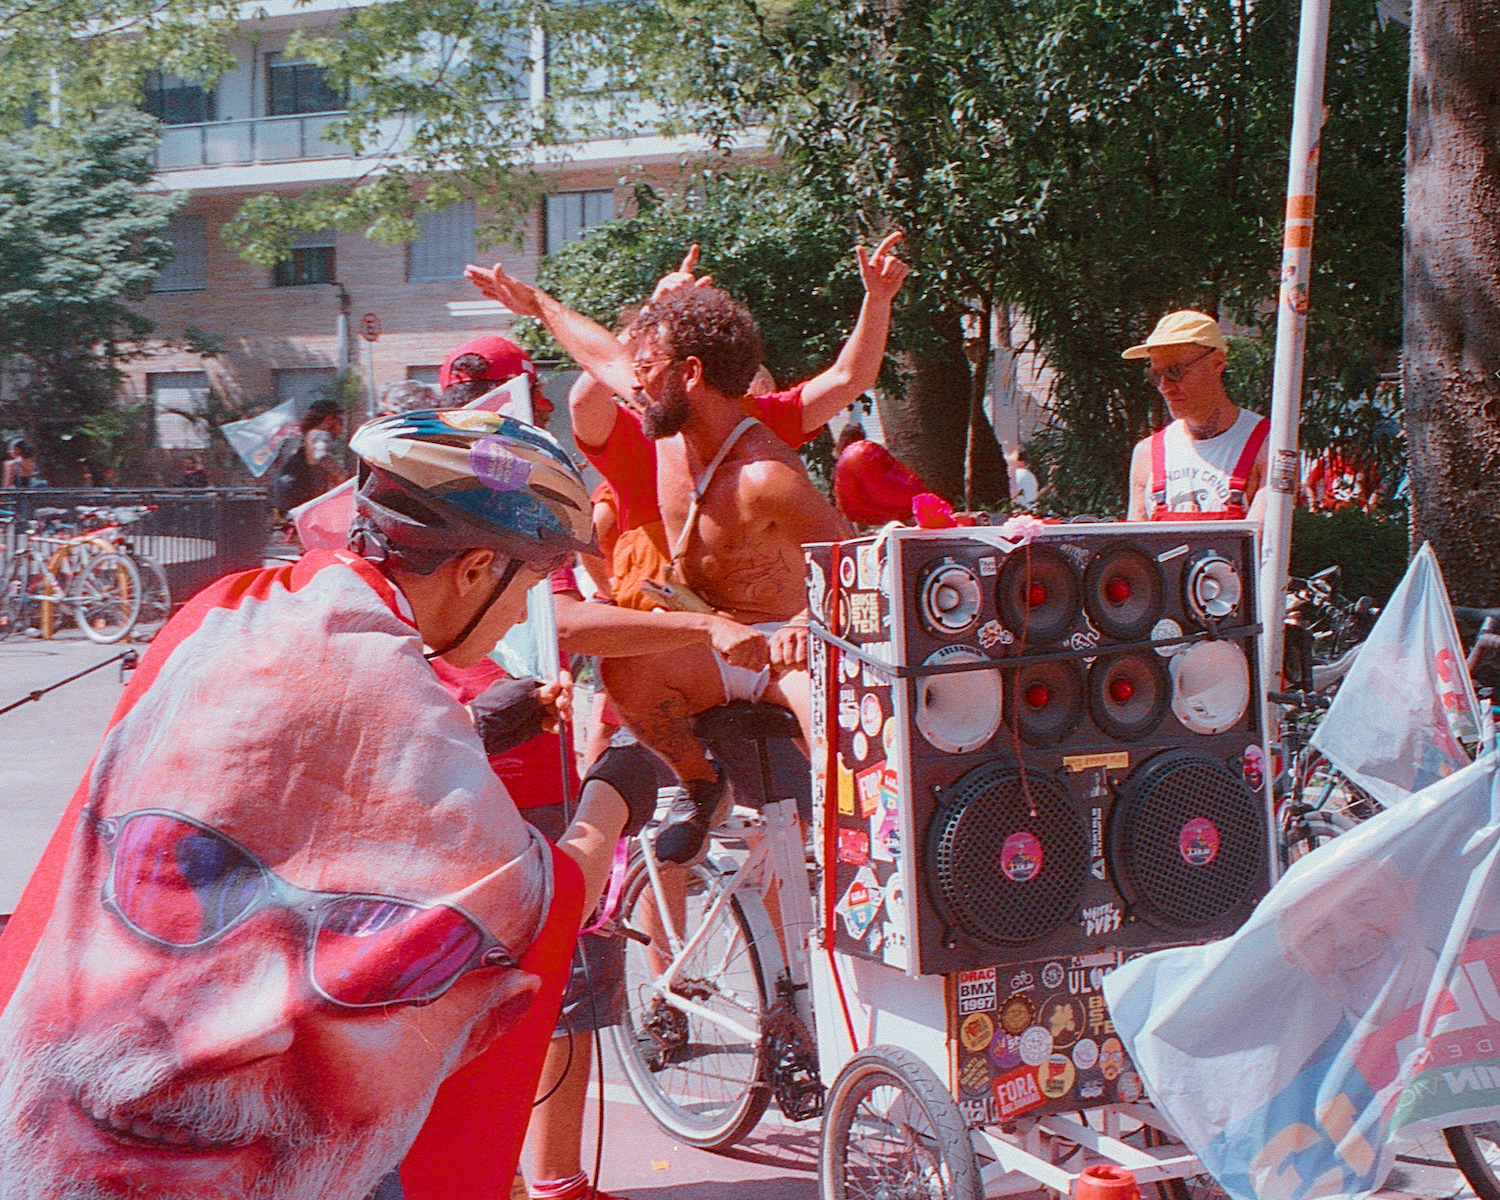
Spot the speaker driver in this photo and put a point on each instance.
(958, 713)
(1122, 591)
(1212, 587)
(1007, 858)
(1045, 700)
(1038, 591)
(949, 599)
(1128, 694)
(1186, 841)
(1210, 686)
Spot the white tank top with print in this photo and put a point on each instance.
(1198, 471)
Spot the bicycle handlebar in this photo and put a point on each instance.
(1299, 699)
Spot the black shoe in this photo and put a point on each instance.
(681, 836)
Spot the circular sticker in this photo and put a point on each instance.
(1036, 1046)
(1052, 975)
(496, 467)
(846, 572)
(975, 1076)
(849, 666)
(1198, 843)
(976, 1032)
(861, 745)
(1064, 1019)
(1253, 768)
(1021, 857)
(1129, 1089)
(871, 715)
(1164, 631)
(1055, 1076)
(888, 735)
(1005, 1051)
(1016, 1015)
(1111, 1058)
(1085, 1054)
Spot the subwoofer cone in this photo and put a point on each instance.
(1212, 588)
(1122, 592)
(948, 598)
(1039, 594)
(1128, 694)
(1187, 841)
(1007, 857)
(1045, 700)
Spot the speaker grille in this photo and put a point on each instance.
(999, 873)
(1039, 594)
(1122, 591)
(1187, 841)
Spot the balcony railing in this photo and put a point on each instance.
(257, 140)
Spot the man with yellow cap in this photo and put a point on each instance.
(1210, 462)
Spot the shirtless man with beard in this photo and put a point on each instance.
(695, 351)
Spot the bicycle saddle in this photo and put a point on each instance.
(746, 719)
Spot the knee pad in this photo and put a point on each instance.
(631, 771)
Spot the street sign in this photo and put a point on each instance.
(369, 327)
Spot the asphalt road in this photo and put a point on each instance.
(45, 748)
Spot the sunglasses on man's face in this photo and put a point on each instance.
(181, 884)
(1176, 371)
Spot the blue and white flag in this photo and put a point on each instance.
(258, 439)
(1355, 1014)
(1406, 706)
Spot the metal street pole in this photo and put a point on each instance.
(1291, 333)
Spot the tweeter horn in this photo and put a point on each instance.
(1122, 592)
(948, 598)
(1045, 700)
(1210, 686)
(958, 712)
(1128, 694)
(1039, 594)
(1212, 587)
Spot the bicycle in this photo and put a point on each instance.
(99, 589)
(1317, 802)
(718, 1004)
(107, 525)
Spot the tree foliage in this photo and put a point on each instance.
(79, 239)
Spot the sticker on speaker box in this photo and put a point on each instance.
(988, 566)
(1021, 857)
(871, 714)
(975, 1075)
(860, 903)
(1099, 919)
(1017, 1092)
(867, 789)
(1052, 976)
(1036, 1046)
(868, 568)
(1063, 1017)
(876, 940)
(894, 954)
(1198, 842)
(1164, 633)
(846, 789)
(864, 613)
(885, 835)
(1111, 1058)
(976, 1031)
(1090, 1089)
(976, 991)
(861, 746)
(848, 709)
(1055, 1076)
(1253, 768)
(1017, 1015)
(1005, 1051)
(1085, 1054)
(895, 900)
(1130, 1089)
(992, 634)
(854, 847)
(846, 571)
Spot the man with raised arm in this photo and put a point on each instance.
(686, 369)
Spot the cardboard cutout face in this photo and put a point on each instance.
(289, 912)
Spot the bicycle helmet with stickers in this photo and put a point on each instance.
(433, 483)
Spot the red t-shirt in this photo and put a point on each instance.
(627, 458)
(532, 771)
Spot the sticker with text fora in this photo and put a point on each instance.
(1017, 1092)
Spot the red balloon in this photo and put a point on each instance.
(871, 486)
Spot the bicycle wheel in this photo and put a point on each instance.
(1476, 1150)
(1300, 836)
(156, 598)
(699, 1081)
(106, 597)
(892, 1132)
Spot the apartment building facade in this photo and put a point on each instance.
(286, 333)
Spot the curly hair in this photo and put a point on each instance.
(711, 326)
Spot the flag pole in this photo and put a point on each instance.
(1283, 464)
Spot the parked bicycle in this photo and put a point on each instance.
(109, 526)
(45, 574)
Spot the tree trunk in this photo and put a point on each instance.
(1451, 360)
(928, 427)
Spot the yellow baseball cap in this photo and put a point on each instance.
(1185, 328)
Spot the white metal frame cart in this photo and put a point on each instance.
(1017, 786)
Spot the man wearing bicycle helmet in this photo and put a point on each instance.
(292, 932)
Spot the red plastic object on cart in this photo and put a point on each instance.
(1104, 1181)
(871, 486)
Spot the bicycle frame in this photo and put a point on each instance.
(779, 848)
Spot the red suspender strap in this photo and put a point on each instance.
(1253, 444)
(1159, 465)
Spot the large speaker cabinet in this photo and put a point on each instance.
(1037, 750)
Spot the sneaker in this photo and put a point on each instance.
(683, 834)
